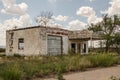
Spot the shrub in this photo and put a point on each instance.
(102, 60)
(17, 55)
(60, 70)
(2, 55)
(84, 63)
(114, 78)
(60, 76)
(11, 72)
(43, 65)
(77, 62)
(2, 50)
(30, 68)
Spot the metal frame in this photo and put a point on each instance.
(61, 42)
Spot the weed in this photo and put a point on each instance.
(11, 72)
(17, 68)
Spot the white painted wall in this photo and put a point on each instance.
(65, 44)
(96, 43)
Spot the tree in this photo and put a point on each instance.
(44, 18)
(116, 42)
(107, 29)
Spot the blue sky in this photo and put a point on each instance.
(70, 14)
(58, 7)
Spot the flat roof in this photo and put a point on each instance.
(83, 34)
(33, 27)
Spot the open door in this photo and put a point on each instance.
(73, 47)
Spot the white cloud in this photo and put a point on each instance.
(91, 0)
(56, 25)
(52, 1)
(7, 24)
(89, 13)
(85, 11)
(114, 8)
(76, 25)
(10, 7)
(94, 19)
(24, 20)
(60, 18)
(7, 3)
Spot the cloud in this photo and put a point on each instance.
(52, 1)
(56, 25)
(7, 24)
(76, 25)
(85, 11)
(91, 0)
(10, 7)
(89, 13)
(94, 19)
(7, 3)
(114, 9)
(60, 18)
(23, 21)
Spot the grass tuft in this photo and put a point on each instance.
(19, 68)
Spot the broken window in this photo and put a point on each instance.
(21, 43)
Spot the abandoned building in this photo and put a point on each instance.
(40, 40)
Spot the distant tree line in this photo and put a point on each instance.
(2, 50)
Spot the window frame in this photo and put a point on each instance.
(21, 44)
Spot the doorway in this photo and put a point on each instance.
(54, 45)
(73, 49)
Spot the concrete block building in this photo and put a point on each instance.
(40, 40)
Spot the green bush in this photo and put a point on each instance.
(84, 63)
(60, 76)
(29, 67)
(11, 72)
(17, 68)
(114, 78)
(2, 50)
(2, 55)
(102, 60)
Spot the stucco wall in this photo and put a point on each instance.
(35, 41)
(65, 44)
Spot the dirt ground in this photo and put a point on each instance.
(96, 74)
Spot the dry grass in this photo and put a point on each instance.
(40, 66)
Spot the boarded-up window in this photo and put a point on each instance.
(54, 45)
(21, 43)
